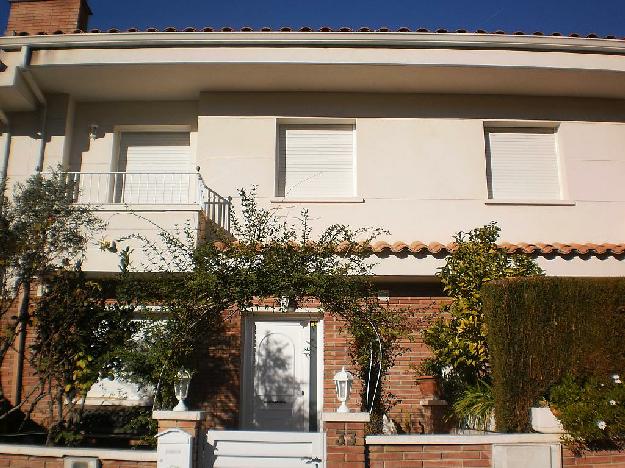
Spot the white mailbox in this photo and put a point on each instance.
(174, 449)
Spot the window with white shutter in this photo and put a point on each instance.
(155, 167)
(522, 164)
(316, 161)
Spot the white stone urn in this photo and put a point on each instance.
(544, 421)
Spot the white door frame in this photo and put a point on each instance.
(247, 377)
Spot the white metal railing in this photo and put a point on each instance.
(150, 188)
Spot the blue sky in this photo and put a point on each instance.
(582, 16)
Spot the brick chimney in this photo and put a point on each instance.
(47, 16)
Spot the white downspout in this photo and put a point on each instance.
(24, 69)
(6, 151)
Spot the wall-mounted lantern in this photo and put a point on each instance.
(93, 131)
(181, 389)
(343, 381)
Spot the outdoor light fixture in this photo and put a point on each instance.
(343, 381)
(288, 304)
(181, 389)
(93, 131)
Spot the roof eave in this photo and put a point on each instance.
(317, 39)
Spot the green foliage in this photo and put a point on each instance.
(43, 234)
(458, 340)
(475, 407)
(542, 329)
(592, 412)
(77, 336)
(131, 423)
(265, 263)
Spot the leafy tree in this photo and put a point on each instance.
(264, 262)
(458, 338)
(44, 237)
(77, 338)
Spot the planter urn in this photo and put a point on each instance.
(428, 385)
(544, 421)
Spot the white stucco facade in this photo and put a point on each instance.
(419, 105)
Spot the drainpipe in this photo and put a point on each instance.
(42, 133)
(4, 159)
(24, 69)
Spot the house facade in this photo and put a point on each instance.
(423, 134)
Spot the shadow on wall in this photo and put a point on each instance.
(369, 105)
(215, 387)
(278, 403)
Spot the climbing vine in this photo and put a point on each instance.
(264, 262)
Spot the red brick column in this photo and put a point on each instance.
(345, 439)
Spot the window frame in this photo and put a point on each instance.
(528, 127)
(280, 197)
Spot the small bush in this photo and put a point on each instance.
(592, 412)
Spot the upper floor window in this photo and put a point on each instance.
(522, 164)
(155, 167)
(316, 161)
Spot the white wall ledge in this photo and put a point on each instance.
(345, 417)
(318, 200)
(143, 206)
(493, 201)
(58, 452)
(445, 439)
(178, 415)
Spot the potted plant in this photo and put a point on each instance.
(544, 421)
(428, 385)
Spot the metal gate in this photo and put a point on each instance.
(245, 449)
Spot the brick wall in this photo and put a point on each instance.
(429, 456)
(47, 16)
(8, 369)
(28, 461)
(609, 459)
(216, 387)
(401, 378)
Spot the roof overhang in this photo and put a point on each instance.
(168, 66)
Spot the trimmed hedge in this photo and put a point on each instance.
(543, 328)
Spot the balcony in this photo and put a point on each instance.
(166, 190)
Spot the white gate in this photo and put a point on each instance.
(245, 449)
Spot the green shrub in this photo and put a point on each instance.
(458, 340)
(592, 412)
(475, 408)
(542, 329)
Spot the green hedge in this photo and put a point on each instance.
(543, 328)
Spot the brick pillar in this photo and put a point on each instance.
(192, 422)
(47, 16)
(345, 439)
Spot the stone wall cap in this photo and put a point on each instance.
(58, 452)
(345, 417)
(178, 415)
(448, 439)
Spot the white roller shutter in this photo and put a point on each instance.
(316, 161)
(522, 164)
(157, 168)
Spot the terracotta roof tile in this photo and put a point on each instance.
(329, 29)
(538, 248)
(434, 248)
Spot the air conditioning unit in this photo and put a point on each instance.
(81, 462)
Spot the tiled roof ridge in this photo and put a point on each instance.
(536, 248)
(438, 248)
(326, 29)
